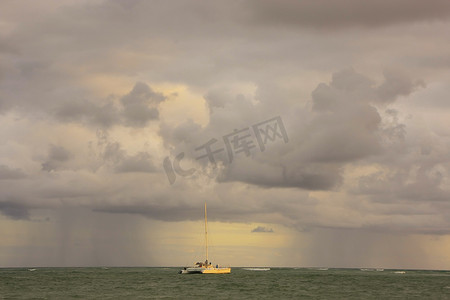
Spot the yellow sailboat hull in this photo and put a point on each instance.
(206, 270)
(216, 271)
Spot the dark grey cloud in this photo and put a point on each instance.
(8, 173)
(57, 156)
(417, 182)
(140, 162)
(343, 126)
(397, 84)
(14, 210)
(262, 229)
(83, 111)
(184, 202)
(54, 84)
(348, 13)
(301, 174)
(157, 212)
(136, 110)
(347, 129)
(111, 153)
(348, 87)
(58, 153)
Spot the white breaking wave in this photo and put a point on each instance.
(257, 269)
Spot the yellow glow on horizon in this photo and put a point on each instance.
(229, 243)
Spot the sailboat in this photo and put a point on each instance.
(205, 267)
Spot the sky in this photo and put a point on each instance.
(317, 132)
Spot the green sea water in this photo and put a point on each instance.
(166, 283)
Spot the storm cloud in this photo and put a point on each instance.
(100, 100)
(262, 229)
(348, 13)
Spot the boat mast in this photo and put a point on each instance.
(206, 233)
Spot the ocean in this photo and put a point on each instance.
(276, 283)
